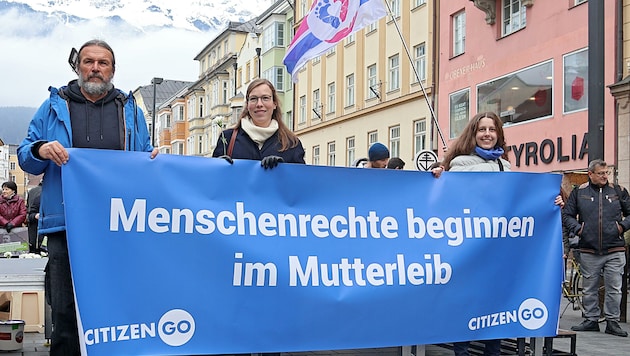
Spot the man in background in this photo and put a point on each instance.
(378, 156)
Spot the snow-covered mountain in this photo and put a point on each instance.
(143, 15)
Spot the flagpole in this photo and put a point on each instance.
(415, 71)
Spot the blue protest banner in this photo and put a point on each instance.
(186, 255)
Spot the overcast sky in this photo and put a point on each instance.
(31, 62)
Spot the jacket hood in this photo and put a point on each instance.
(73, 92)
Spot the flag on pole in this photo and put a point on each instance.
(328, 22)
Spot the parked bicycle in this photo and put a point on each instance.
(572, 285)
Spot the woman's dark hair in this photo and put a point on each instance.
(287, 138)
(466, 142)
(11, 185)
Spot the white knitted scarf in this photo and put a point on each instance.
(259, 134)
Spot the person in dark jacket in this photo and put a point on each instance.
(32, 202)
(87, 113)
(595, 212)
(12, 207)
(260, 132)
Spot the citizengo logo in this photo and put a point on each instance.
(532, 314)
(175, 328)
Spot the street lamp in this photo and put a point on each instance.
(154, 81)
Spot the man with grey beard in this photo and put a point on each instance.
(88, 113)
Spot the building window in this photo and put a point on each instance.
(459, 111)
(315, 155)
(419, 135)
(331, 98)
(12, 166)
(395, 7)
(420, 60)
(520, 96)
(417, 3)
(513, 16)
(350, 153)
(302, 118)
(459, 33)
(317, 105)
(331, 153)
(371, 27)
(372, 88)
(350, 90)
(276, 76)
(225, 91)
(273, 36)
(578, 2)
(394, 141)
(372, 138)
(576, 81)
(303, 8)
(350, 39)
(394, 73)
(200, 144)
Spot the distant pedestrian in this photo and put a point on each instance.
(595, 212)
(34, 239)
(378, 156)
(395, 163)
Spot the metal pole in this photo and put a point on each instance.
(154, 81)
(595, 80)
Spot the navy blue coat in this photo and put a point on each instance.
(246, 148)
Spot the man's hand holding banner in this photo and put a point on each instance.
(186, 255)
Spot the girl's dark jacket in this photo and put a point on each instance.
(246, 148)
(596, 214)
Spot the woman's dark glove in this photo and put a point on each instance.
(9, 227)
(227, 158)
(271, 161)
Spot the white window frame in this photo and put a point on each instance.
(350, 90)
(317, 105)
(372, 138)
(371, 81)
(513, 15)
(394, 72)
(332, 88)
(394, 141)
(420, 62)
(331, 153)
(459, 33)
(395, 7)
(350, 150)
(315, 160)
(302, 118)
(420, 135)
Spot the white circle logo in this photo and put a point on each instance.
(532, 314)
(176, 327)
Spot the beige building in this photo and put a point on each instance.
(210, 100)
(365, 89)
(621, 92)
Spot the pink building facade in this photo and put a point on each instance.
(526, 60)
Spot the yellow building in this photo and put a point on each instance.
(365, 89)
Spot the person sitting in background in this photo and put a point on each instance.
(378, 156)
(12, 207)
(395, 163)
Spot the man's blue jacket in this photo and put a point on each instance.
(52, 123)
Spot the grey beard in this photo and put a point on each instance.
(95, 88)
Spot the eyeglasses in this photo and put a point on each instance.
(264, 98)
(601, 174)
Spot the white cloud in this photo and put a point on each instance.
(35, 52)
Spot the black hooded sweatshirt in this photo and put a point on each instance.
(98, 124)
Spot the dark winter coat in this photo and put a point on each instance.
(246, 148)
(595, 214)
